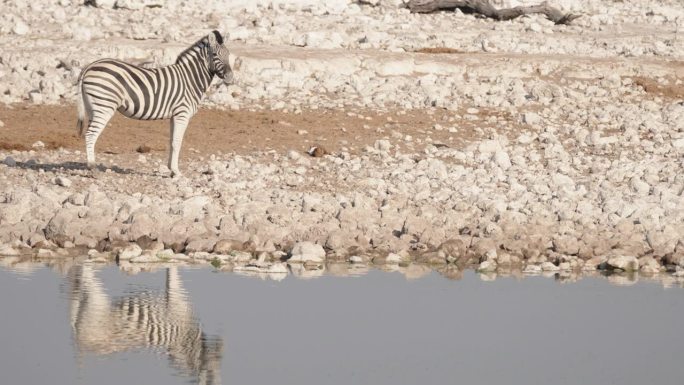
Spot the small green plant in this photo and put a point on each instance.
(216, 263)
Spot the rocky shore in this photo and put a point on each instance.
(557, 148)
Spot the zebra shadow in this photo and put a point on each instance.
(162, 322)
(72, 168)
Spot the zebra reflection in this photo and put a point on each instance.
(160, 321)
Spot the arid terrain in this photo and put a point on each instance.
(443, 139)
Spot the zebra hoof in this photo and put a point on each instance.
(91, 165)
(176, 174)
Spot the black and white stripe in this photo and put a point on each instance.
(172, 92)
(163, 322)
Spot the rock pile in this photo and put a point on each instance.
(580, 168)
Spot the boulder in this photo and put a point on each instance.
(129, 252)
(307, 252)
(623, 262)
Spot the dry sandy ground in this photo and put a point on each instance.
(214, 131)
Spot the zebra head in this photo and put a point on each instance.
(218, 58)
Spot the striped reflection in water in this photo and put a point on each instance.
(161, 321)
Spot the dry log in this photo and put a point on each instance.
(486, 9)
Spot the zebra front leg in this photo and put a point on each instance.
(178, 125)
(97, 124)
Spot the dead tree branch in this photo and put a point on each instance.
(484, 8)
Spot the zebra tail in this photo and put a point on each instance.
(80, 103)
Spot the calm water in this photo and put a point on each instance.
(99, 325)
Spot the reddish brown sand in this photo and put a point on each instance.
(213, 131)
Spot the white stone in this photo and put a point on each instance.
(548, 266)
(628, 263)
(396, 68)
(355, 259)
(307, 252)
(487, 266)
(502, 159)
(678, 143)
(531, 118)
(20, 28)
(382, 145)
(129, 252)
(394, 259)
(534, 27)
(639, 186)
(81, 33)
(489, 146)
(7, 250)
(532, 269)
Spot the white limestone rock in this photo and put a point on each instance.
(129, 252)
(623, 262)
(307, 252)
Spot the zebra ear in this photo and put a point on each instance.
(215, 37)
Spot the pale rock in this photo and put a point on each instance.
(622, 262)
(488, 146)
(678, 144)
(307, 252)
(532, 269)
(105, 3)
(395, 259)
(396, 68)
(566, 244)
(502, 159)
(62, 181)
(20, 28)
(226, 246)
(548, 266)
(649, 265)
(197, 245)
(436, 169)
(531, 118)
(639, 186)
(487, 266)
(382, 145)
(7, 250)
(146, 258)
(594, 263)
(129, 252)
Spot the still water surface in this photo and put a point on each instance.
(98, 325)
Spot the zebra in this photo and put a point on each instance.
(172, 92)
(162, 322)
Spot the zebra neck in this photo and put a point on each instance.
(194, 65)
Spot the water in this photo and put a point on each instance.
(99, 325)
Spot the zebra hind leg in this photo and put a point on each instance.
(178, 125)
(100, 118)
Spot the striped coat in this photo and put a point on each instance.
(161, 322)
(172, 92)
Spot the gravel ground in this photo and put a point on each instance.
(530, 147)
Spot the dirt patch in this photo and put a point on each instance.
(651, 86)
(216, 131)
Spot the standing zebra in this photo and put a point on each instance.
(174, 92)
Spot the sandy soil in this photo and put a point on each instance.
(214, 131)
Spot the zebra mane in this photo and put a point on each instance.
(200, 43)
